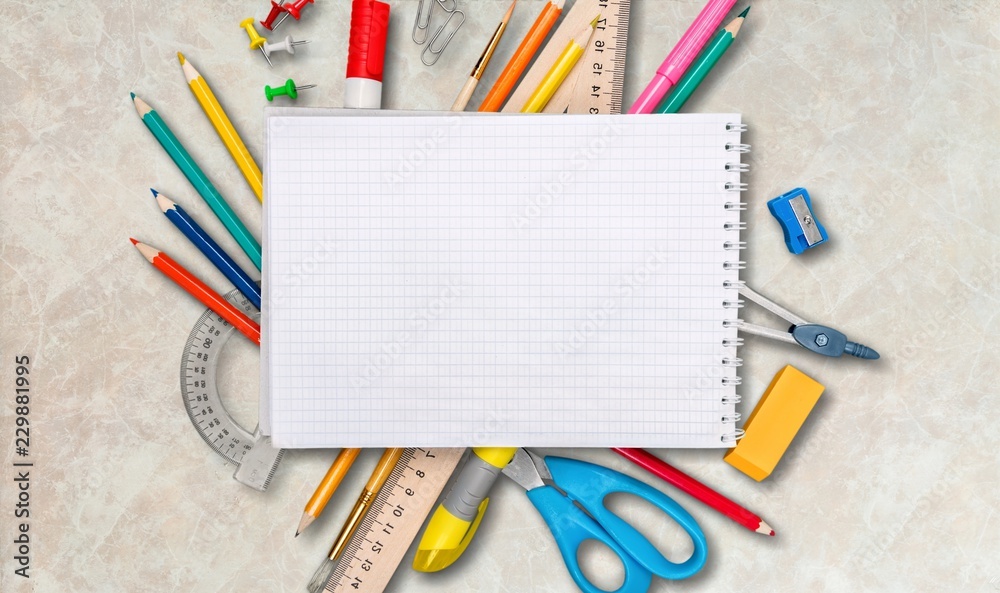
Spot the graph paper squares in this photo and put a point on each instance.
(514, 280)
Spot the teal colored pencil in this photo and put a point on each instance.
(198, 179)
(702, 65)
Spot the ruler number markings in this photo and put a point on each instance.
(612, 36)
(371, 558)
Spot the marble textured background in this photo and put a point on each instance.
(886, 111)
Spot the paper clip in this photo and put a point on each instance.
(430, 44)
(417, 26)
(454, 5)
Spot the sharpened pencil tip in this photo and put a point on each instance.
(772, 532)
(593, 23)
(134, 242)
(133, 96)
(180, 58)
(297, 534)
(742, 14)
(155, 193)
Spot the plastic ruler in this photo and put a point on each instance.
(392, 522)
(596, 83)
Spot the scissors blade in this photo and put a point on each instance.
(526, 471)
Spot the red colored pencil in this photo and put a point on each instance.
(196, 288)
(671, 474)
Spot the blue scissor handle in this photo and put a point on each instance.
(571, 527)
(590, 484)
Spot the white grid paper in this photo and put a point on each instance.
(502, 280)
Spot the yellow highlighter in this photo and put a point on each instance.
(456, 519)
(560, 70)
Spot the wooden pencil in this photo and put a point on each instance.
(207, 245)
(689, 485)
(702, 65)
(327, 486)
(523, 55)
(186, 163)
(223, 127)
(563, 65)
(199, 290)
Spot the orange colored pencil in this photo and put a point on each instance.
(196, 288)
(522, 56)
(334, 476)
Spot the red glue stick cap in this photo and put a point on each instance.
(369, 28)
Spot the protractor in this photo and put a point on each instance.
(251, 451)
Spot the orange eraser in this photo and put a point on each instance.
(774, 422)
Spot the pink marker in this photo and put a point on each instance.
(673, 68)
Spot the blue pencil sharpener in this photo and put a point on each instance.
(794, 212)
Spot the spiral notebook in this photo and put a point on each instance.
(445, 280)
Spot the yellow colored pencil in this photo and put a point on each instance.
(560, 70)
(224, 127)
(327, 487)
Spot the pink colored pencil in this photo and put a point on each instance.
(673, 68)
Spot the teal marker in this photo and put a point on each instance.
(702, 65)
(198, 179)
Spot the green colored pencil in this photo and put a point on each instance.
(702, 65)
(198, 179)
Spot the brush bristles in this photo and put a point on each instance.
(321, 576)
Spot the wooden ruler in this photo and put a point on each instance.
(392, 522)
(596, 83)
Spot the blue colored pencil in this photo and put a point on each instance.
(186, 163)
(209, 247)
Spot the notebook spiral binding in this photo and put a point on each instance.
(732, 342)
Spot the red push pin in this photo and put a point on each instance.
(276, 9)
(294, 9)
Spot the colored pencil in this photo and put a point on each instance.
(477, 71)
(560, 70)
(702, 66)
(334, 476)
(196, 288)
(679, 58)
(220, 121)
(689, 485)
(204, 242)
(522, 56)
(375, 483)
(198, 179)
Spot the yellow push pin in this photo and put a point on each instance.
(256, 41)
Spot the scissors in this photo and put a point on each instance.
(569, 494)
